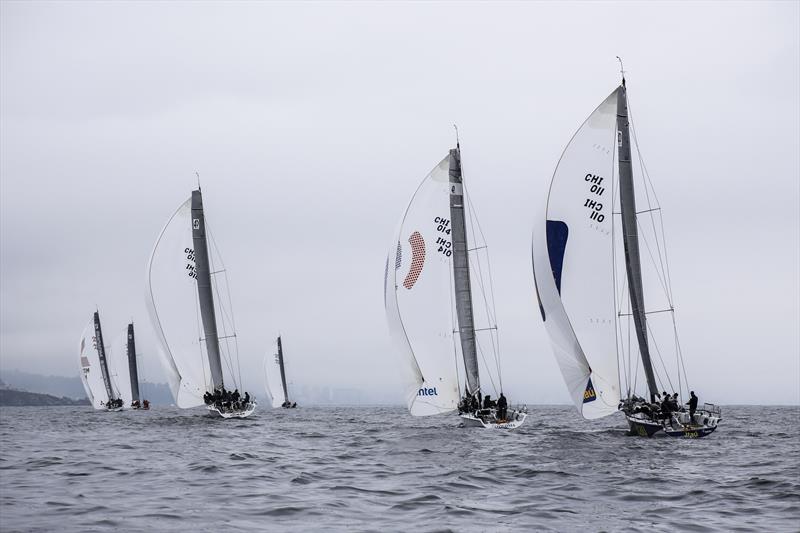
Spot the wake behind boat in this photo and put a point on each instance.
(428, 299)
(181, 286)
(590, 286)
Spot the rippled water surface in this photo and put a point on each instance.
(379, 469)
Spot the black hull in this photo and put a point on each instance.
(691, 433)
(643, 428)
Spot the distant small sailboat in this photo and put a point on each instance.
(186, 316)
(275, 378)
(126, 370)
(428, 299)
(96, 379)
(590, 285)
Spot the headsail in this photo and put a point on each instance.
(417, 291)
(174, 309)
(574, 266)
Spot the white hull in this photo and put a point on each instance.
(244, 413)
(515, 420)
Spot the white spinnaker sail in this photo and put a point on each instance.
(272, 376)
(573, 265)
(118, 368)
(91, 374)
(418, 297)
(173, 306)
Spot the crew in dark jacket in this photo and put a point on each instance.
(502, 407)
(692, 403)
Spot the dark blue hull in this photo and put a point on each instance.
(691, 433)
(643, 428)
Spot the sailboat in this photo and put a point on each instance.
(96, 379)
(591, 289)
(126, 370)
(428, 296)
(275, 378)
(195, 332)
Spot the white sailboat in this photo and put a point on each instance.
(95, 376)
(591, 286)
(195, 331)
(428, 298)
(275, 377)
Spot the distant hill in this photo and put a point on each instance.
(72, 388)
(11, 397)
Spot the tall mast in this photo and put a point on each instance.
(283, 373)
(463, 290)
(132, 369)
(204, 289)
(630, 234)
(101, 352)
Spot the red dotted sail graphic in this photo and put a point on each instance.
(417, 259)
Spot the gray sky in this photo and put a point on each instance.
(311, 124)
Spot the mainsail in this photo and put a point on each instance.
(173, 304)
(133, 369)
(417, 291)
(574, 265)
(275, 375)
(95, 374)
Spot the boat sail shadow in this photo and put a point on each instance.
(590, 283)
(193, 322)
(429, 285)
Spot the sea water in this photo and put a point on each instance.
(380, 469)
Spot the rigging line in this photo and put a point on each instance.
(653, 260)
(653, 312)
(477, 263)
(226, 313)
(666, 256)
(473, 217)
(227, 350)
(658, 351)
(647, 180)
(485, 364)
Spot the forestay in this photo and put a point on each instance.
(174, 311)
(574, 266)
(272, 376)
(417, 290)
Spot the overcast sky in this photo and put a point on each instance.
(311, 124)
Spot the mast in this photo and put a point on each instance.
(283, 373)
(101, 352)
(630, 234)
(463, 291)
(132, 369)
(204, 289)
